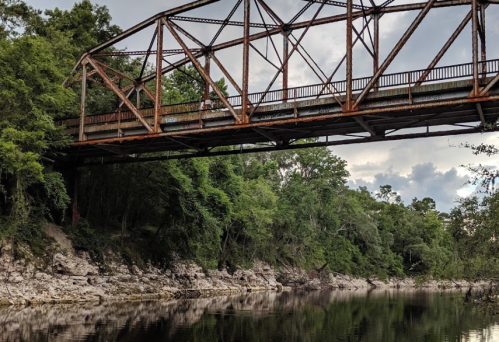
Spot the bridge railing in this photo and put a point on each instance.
(409, 79)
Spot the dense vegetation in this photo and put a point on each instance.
(286, 208)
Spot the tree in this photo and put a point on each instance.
(15, 15)
(484, 176)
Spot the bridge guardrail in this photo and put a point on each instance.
(409, 78)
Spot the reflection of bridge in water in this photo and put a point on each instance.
(436, 101)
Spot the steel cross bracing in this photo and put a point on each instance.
(457, 99)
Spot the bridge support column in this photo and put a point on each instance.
(474, 34)
(348, 104)
(207, 69)
(376, 47)
(244, 100)
(481, 32)
(159, 75)
(285, 70)
(81, 135)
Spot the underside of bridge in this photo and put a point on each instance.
(435, 101)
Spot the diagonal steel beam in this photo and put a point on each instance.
(338, 4)
(201, 71)
(364, 125)
(269, 35)
(300, 13)
(315, 22)
(480, 113)
(226, 21)
(268, 135)
(263, 56)
(359, 35)
(490, 85)
(226, 73)
(149, 22)
(146, 59)
(122, 75)
(286, 59)
(120, 94)
(212, 56)
(391, 56)
(330, 78)
(444, 49)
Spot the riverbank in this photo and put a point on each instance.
(71, 277)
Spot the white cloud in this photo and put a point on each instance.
(423, 181)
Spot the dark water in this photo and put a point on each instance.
(319, 316)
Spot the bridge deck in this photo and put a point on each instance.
(389, 114)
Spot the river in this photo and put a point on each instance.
(385, 316)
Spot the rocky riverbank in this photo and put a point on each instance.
(71, 277)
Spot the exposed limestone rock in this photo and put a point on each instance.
(73, 265)
(72, 278)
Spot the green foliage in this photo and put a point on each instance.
(186, 85)
(30, 96)
(87, 239)
(286, 208)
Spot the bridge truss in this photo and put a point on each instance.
(379, 107)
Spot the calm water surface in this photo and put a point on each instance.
(319, 316)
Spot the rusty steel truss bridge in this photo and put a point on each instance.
(435, 101)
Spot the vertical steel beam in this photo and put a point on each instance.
(81, 136)
(138, 90)
(159, 77)
(285, 71)
(247, 17)
(482, 40)
(391, 56)
(474, 34)
(376, 46)
(207, 69)
(348, 103)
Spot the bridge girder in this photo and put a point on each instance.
(350, 95)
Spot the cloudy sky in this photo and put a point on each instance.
(415, 168)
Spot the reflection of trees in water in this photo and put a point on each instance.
(316, 316)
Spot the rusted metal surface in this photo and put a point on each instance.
(221, 22)
(489, 86)
(482, 35)
(281, 114)
(81, 135)
(349, 44)
(285, 73)
(340, 4)
(120, 94)
(246, 65)
(313, 91)
(391, 56)
(474, 34)
(158, 86)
